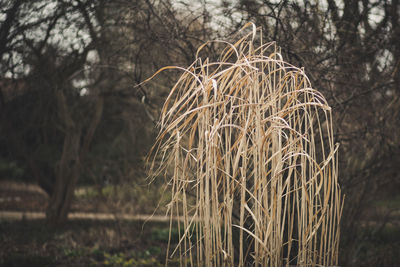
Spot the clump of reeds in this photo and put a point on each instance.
(249, 148)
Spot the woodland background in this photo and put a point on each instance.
(74, 122)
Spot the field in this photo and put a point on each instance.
(133, 242)
(94, 237)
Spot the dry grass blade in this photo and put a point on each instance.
(249, 148)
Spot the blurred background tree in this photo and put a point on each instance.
(69, 108)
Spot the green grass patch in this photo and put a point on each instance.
(84, 243)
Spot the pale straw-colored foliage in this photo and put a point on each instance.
(248, 147)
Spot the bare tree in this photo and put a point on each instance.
(45, 48)
(37, 54)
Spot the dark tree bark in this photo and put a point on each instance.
(67, 176)
(76, 145)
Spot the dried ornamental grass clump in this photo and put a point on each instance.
(248, 147)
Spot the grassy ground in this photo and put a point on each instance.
(84, 243)
(111, 243)
(135, 243)
(379, 248)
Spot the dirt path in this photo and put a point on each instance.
(26, 215)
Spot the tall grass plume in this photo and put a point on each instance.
(247, 146)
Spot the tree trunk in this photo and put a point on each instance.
(69, 166)
(67, 176)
